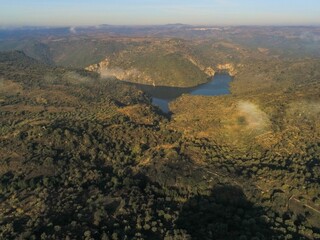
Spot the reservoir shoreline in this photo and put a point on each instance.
(162, 96)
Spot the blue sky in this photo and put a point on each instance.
(145, 12)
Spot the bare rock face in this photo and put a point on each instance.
(209, 71)
(97, 67)
(229, 67)
(104, 69)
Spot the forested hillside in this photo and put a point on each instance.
(86, 156)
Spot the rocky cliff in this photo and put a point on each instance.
(176, 72)
(131, 74)
(209, 71)
(228, 67)
(97, 67)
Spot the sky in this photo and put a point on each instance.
(150, 12)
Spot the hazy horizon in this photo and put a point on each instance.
(3, 27)
(60, 13)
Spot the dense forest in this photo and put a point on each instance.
(85, 156)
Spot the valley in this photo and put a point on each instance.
(86, 155)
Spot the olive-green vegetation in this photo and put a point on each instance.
(176, 55)
(270, 129)
(83, 51)
(67, 51)
(83, 157)
(88, 157)
(32, 47)
(165, 63)
(77, 162)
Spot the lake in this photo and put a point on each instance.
(161, 96)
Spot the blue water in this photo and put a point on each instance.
(161, 96)
(219, 85)
(163, 104)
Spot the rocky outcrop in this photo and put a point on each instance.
(104, 69)
(97, 67)
(130, 75)
(264, 50)
(209, 71)
(228, 67)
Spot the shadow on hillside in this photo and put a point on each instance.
(225, 214)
